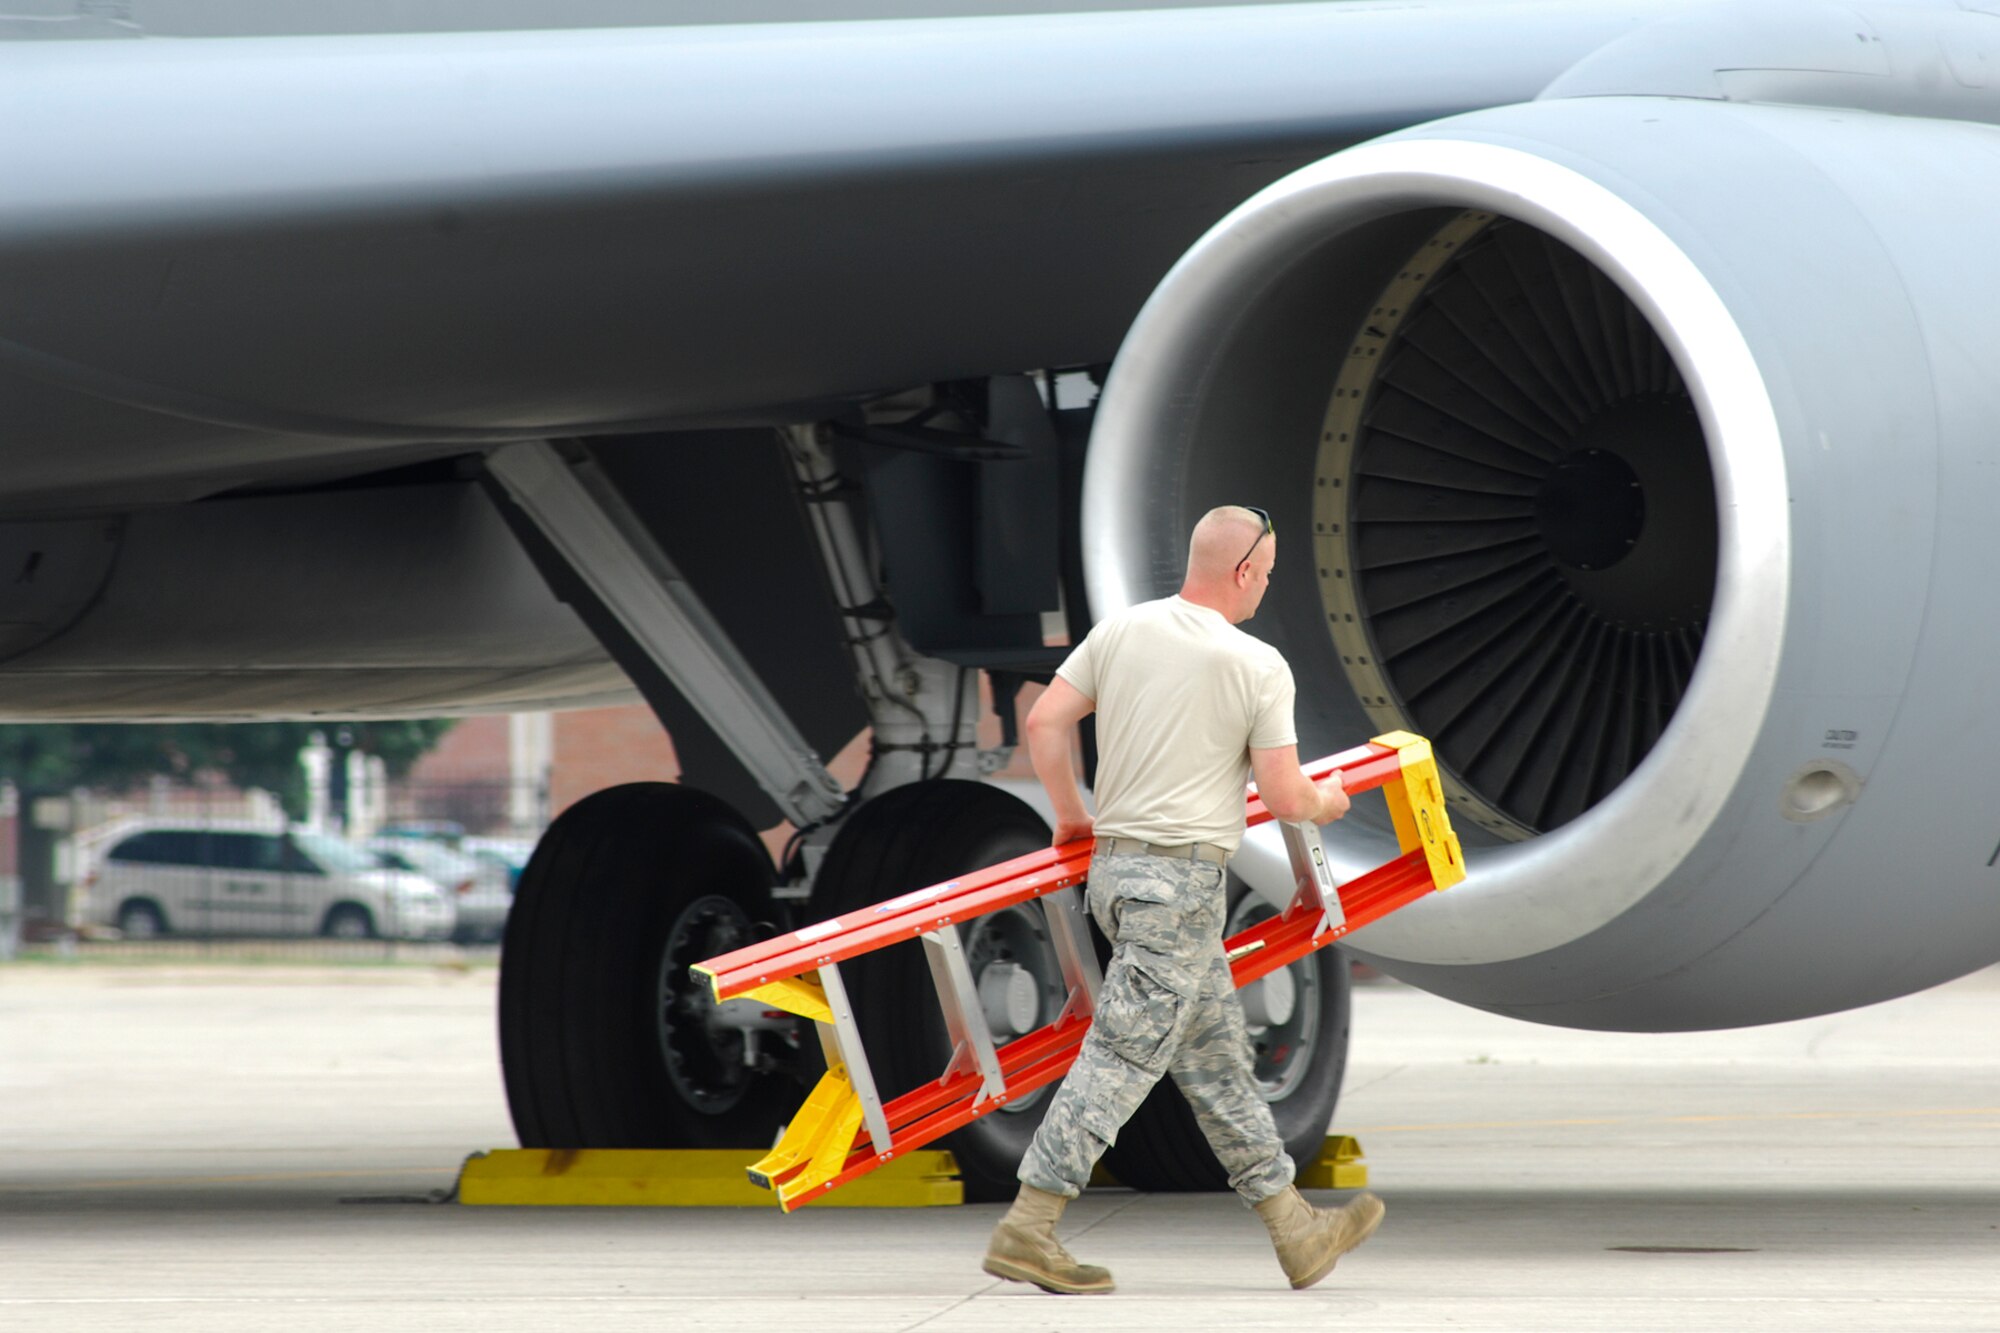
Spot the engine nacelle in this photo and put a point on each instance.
(1649, 451)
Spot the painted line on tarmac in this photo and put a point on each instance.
(683, 1302)
(1941, 1112)
(454, 1299)
(249, 1178)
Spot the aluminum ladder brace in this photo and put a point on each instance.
(845, 1129)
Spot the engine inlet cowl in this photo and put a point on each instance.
(1645, 447)
(1538, 476)
(1514, 522)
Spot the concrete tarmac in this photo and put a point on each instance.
(227, 1148)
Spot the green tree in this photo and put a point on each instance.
(53, 759)
(266, 754)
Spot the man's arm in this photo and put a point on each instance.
(1288, 793)
(1051, 731)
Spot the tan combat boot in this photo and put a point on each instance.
(1311, 1240)
(1024, 1248)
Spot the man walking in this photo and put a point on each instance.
(1187, 706)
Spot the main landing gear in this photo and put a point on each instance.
(605, 1039)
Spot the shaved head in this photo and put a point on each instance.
(1220, 539)
(1229, 562)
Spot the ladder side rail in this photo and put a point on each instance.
(915, 903)
(863, 939)
(1372, 766)
(1023, 1053)
(1370, 897)
(1291, 949)
(855, 933)
(1391, 893)
(912, 914)
(1266, 947)
(999, 887)
(1030, 1050)
(956, 1118)
(929, 1112)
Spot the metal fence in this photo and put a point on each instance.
(259, 951)
(185, 875)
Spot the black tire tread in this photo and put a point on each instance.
(577, 978)
(908, 838)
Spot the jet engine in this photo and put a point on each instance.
(1644, 453)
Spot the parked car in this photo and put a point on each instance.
(510, 854)
(479, 889)
(446, 831)
(240, 878)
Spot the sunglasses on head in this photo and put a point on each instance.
(1264, 515)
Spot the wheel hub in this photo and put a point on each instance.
(1271, 1000)
(1018, 976)
(710, 1050)
(1012, 1000)
(1281, 1010)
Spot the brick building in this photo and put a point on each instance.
(511, 774)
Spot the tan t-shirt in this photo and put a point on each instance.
(1182, 697)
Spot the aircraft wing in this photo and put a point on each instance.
(261, 260)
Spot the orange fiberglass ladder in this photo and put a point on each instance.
(845, 1130)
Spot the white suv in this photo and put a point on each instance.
(222, 878)
(478, 889)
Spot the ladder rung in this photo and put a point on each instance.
(1069, 934)
(866, 929)
(964, 1016)
(844, 1036)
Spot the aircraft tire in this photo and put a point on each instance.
(908, 838)
(1301, 1063)
(602, 1039)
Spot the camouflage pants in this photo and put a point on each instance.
(1167, 1007)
